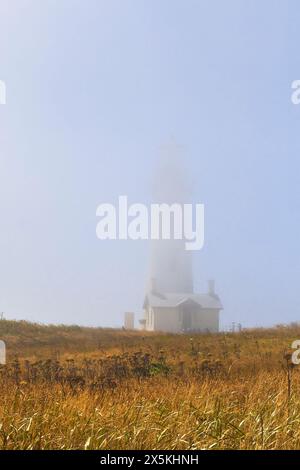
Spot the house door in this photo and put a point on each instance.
(186, 317)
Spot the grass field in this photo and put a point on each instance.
(84, 388)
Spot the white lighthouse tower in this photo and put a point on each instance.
(171, 264)
(170, 302)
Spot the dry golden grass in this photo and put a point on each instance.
(84, 388)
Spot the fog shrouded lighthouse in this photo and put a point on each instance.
(170, 302)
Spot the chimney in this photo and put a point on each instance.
(211, 287)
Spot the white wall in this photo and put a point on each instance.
(206, 319)
(168, 320)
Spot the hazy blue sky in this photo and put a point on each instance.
(94, 88)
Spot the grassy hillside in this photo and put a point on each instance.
(74, 387)
(26, 339)
(34, 339)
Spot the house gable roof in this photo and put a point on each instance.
(165, 300)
